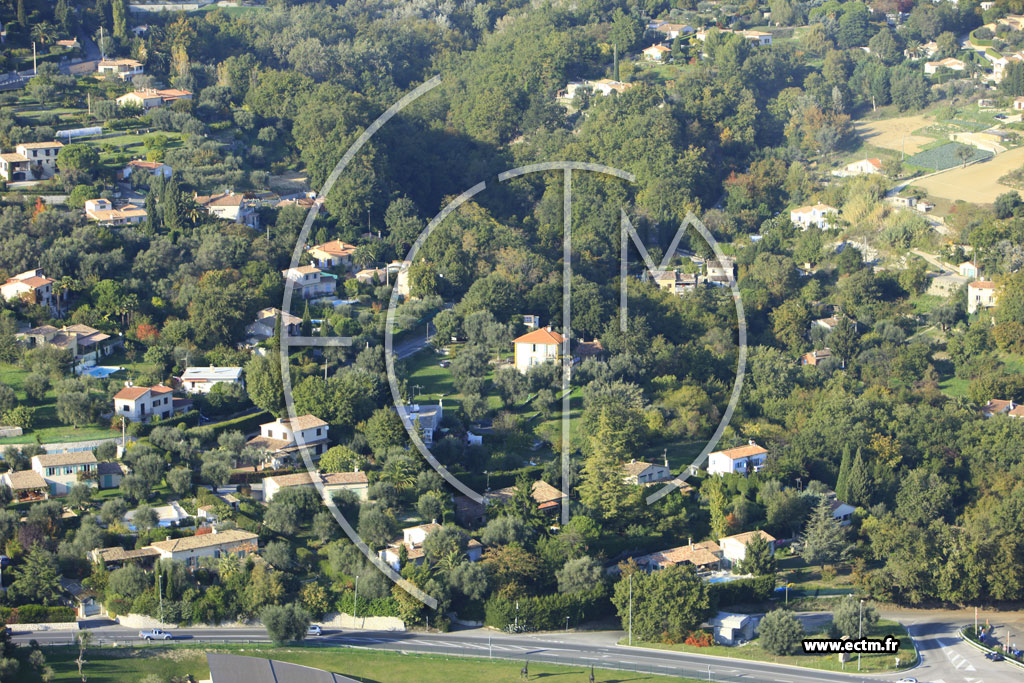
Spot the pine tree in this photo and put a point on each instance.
(22, 18)
(824, 538)
(307, 322)
(842, 490)
(276, 339)
(171, 201)
(858, 483)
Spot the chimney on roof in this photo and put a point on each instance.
(751, 442)
(433, 520)
(689, 540)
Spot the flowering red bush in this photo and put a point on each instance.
(699, 639)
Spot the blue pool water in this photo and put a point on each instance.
(102, 371)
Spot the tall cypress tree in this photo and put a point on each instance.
(842, 490)
(307, 322)
(858, 483)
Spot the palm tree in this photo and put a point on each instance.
(44, 32)
(364, 255)
(62, 287)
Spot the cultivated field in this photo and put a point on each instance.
(978, 183)
(895, 133)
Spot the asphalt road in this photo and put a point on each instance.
(573, 650)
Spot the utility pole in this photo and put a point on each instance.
(860, 630)
(631, 609)
(160, 592)
(355, 602)
(33, 58)
(517, 616)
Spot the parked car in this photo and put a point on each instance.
(994, 656)
(314, 630)
(155, 634)
(907, 680)
(5, 561)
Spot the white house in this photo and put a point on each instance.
(981, 294)
(947, 63)
(740, 460)
(266, 320)
(141, 404)
(104, 213)
(310, 282)
(352, 481)
(332, 254)
(61, 471)
(122, 68)
(284, 438)
(842, 512)
(968, 269)
(150, 98)
(734, 548)
(869, 166)
(153, 168)
(231, 207)
(427, 418)
(200, 380)
(31, 286)
(30, 161)
(412, 538)
(603, 86)
(669, 30)
(536, 347)
(812, 216)
(85, 343)
(656, 53)
(189, 549)
(640, 473)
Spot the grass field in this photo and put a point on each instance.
(47, 428)
(896, 134)
(978, 183)
(870, 663)
(109, 665)
(946, 156)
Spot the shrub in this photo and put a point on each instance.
(700, 638)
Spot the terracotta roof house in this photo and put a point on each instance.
(104, 213)
(815, 357)
(332, 254)
(154, 168)
(734, 548)
(149, 98)
(141, 404)
(216, 544)
(641, 473)
(996, 406)
(705, 556)
(309, 282)
(32, 287)
(656, 53)
(122, 68)
(537, 346)
(740, 460)
(284, 438)
(813, 216)
(981, 294)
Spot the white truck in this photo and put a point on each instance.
(155, 634)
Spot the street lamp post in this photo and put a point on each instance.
(355, 600)
(860, 629)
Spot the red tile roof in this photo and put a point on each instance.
(543, 335)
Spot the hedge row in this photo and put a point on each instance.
(501, 479)
(37, 614)
(244, 424)
(142, 429)
(547, 612)
(756, 589)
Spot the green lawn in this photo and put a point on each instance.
(870, 663)
(110, 665)
(47, 428)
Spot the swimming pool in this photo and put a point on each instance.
(102, 371)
